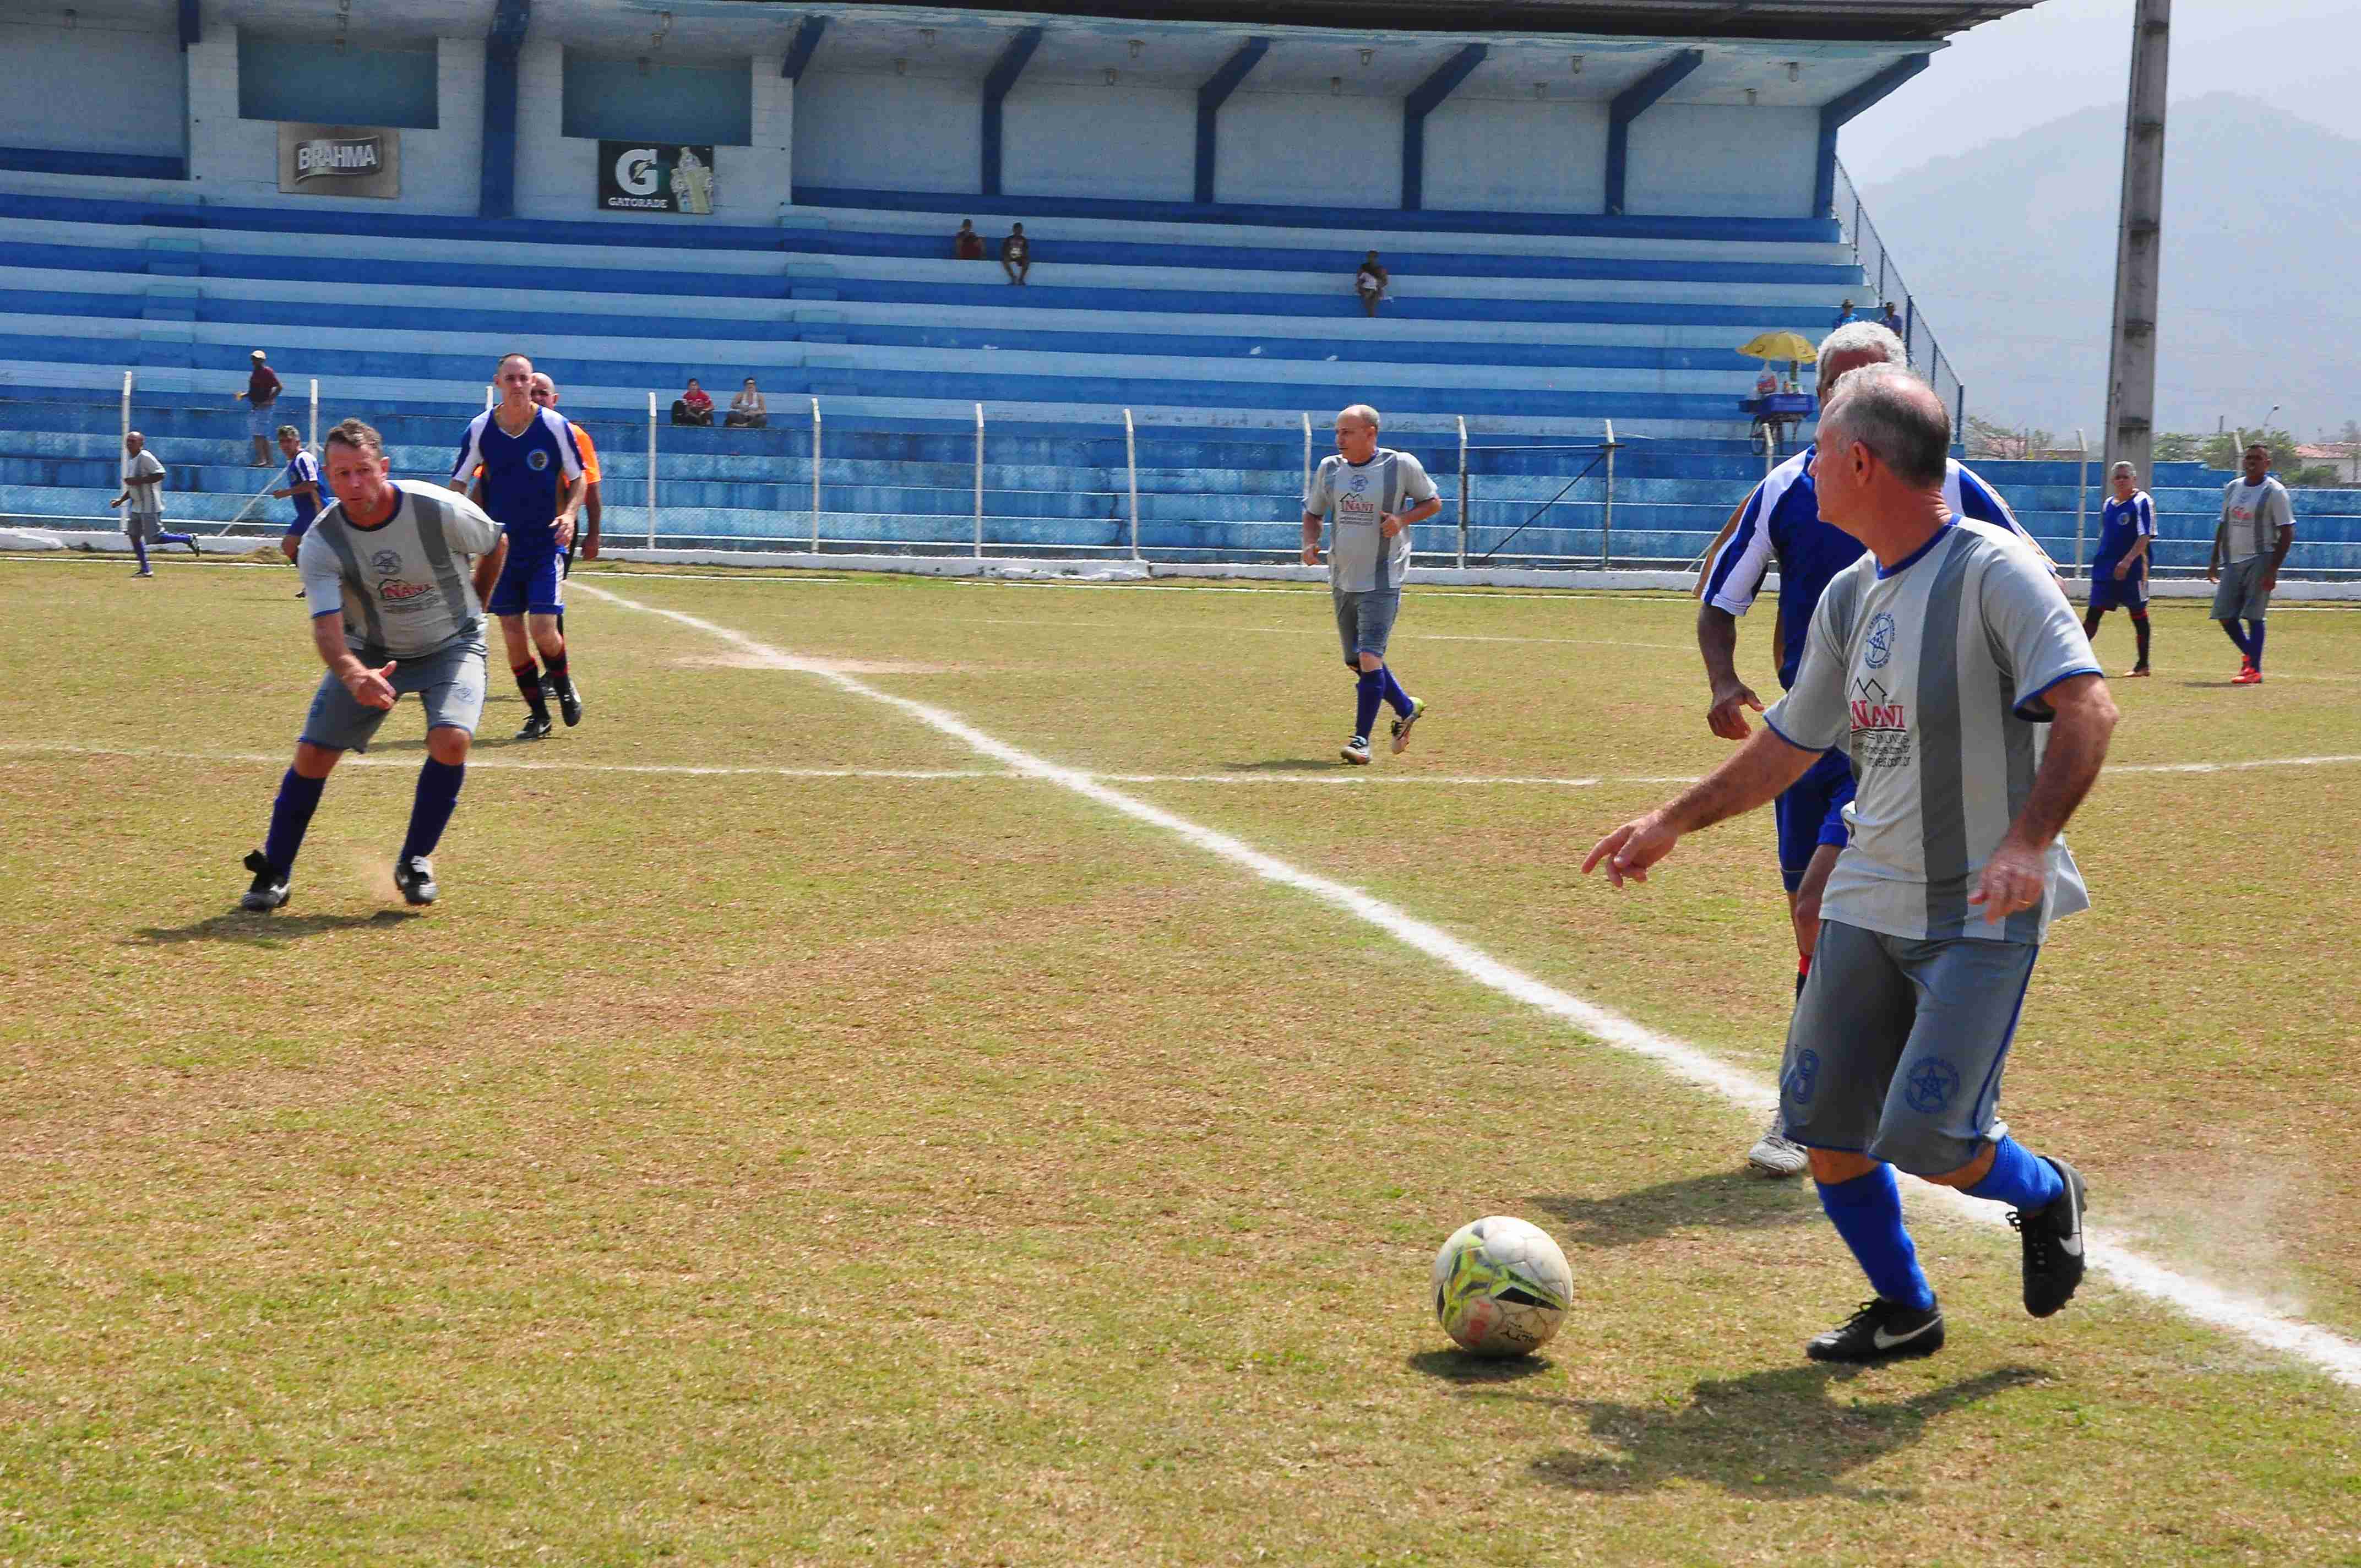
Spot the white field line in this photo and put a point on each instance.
(2330, 1353)
(1338, 778)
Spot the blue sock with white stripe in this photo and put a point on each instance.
(290, 815)
(431, 807)
(1396, 699)
(2255, 640)
(1365, 711)
(2019, 1177)
(1867, 1211)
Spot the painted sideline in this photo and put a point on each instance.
(2329, 1352)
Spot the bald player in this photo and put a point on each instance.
(1368, 497)
(532, 486)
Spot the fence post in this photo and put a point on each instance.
(2081, 496)
(651, 470)
(124, 435)
(1606, 522)
(1307, 454)
(314, 442)
(1131, 461)
(815, 475)
(1463, 492)
(490, 396)
(979, 481)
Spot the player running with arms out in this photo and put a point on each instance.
(1370, 496)
(1978, 719)
(533, 483)
(2251, 543)
(1780, 522)
(395, 608)
(2119, 569)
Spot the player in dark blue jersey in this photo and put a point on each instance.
(304, 489)
(1780, 522)
(2119, 570)
(532, 485)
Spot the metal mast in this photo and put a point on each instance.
(2131, 354)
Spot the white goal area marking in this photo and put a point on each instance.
(2330, 1353)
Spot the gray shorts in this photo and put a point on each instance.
(147, 527)
(1366, 621)
(1897, 1047)
(2240, 595)
(450, 685)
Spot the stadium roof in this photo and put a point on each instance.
(1865, 21)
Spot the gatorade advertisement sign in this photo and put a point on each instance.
(656, 177)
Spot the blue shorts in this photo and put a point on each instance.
(450, 686)
(299, 528)
(1364, 622)
(2111, 592)
(529, 586)
(1896, 1046)
(1810, 813)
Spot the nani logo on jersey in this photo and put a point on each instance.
(395, 590)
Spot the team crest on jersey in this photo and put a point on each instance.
(385, 563)
(1880, 726)
(1881, 641)
(395, 590)
(536, 460)
(1360, 482)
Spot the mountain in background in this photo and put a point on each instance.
(2011, 250)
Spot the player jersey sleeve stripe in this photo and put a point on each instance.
(569, 456)
(1982, 502)
(471, 447)
(1735, 575)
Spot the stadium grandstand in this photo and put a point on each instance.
(1585, 210)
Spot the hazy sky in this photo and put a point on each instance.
(2062, 55)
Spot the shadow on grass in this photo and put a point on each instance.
(1780, 1433)
(265, 930)
(1458, 1367)
(1726, 1200)
(1285, 765)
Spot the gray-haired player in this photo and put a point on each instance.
(1948, 665)
(1360, 495)
(395, 608)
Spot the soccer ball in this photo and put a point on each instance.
(1501, 1287)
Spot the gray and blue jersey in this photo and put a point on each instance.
(1931, 677)
(1352, 498)
(403, 588)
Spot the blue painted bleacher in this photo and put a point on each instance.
(1217, 326)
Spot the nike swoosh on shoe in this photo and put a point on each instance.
(1884, 1341)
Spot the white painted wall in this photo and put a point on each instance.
(1308, 149)
(1509, 155)
(558, 175)
(98, 87)
(890, 133)
(1715, 161)
(236, 162)
(1072, 140)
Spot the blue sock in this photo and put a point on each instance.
(2019, 1177)
(2255, 640)
(430, 809)
(140, 550)
(1867, 1211)
(1396, 699)
(1365, 711)
(291, 814)
(2239, 637)
(176, 539)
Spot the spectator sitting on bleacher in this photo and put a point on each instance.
(747, 410)
(1016, 254)
(692, 407)
(967, 245)
(1371, 282)
(261, 391)
(1892, 322)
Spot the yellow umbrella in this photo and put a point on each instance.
(1782, 346)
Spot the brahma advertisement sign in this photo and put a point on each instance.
(339, 161)
(655, 177)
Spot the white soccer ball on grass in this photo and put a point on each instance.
(1501, 1287)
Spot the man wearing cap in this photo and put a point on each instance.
(261, 392)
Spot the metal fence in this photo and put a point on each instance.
(1886, 282)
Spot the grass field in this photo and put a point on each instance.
(801, 1135)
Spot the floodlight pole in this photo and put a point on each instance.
(1307, 454)
(126, 433)
(2130, 435)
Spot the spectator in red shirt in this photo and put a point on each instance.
(261, 391)
(967, 245)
